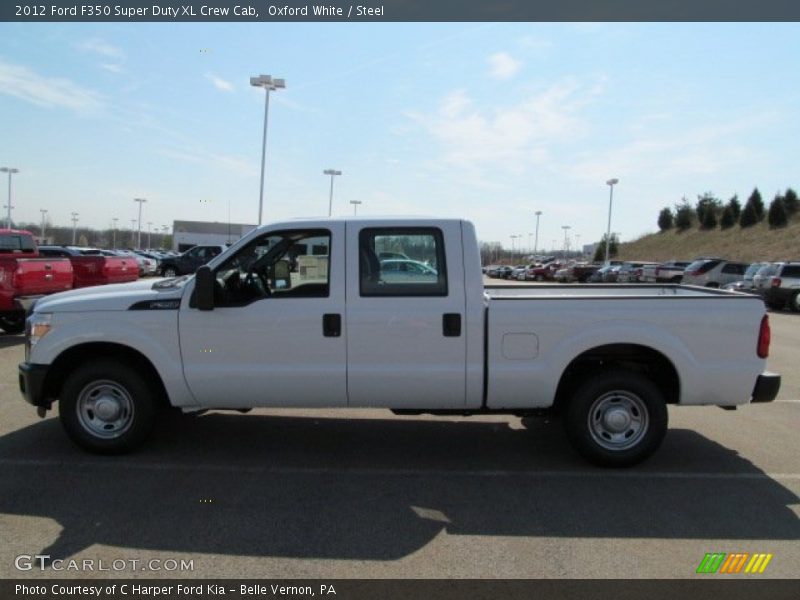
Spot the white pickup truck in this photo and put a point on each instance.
(306, 314)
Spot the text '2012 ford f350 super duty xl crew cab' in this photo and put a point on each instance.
(306, 314)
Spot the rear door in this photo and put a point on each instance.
(406, 346)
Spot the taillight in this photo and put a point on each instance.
(764, 336)
(776, 282)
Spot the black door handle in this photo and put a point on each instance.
(451, 324)
(331, 325)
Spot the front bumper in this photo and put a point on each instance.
(767, 386)
(31, 384)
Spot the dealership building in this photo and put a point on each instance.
(186, 234)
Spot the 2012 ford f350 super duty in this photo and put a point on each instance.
(308, 314)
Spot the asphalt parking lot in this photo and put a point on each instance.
(338, 494)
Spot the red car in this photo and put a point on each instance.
(25, 277)
(91, 267)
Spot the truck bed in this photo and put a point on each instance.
(535, 292)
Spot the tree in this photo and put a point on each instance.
(707, 203)
(709, 219)
(757, 203)
(736, 208)
(790, 202)
(600, 250)
(777, 213)
(727, 220)
(665, 219)
(749, 216)
(683, 215)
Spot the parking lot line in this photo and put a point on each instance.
(599, 473)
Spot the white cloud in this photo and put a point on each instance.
(98, 46)
(211, 160)
(503, 66)
(114, 68)
(219, 83)
(508, 136)
(23, 83)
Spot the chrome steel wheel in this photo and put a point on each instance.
(170, 272)
(105, 409)
(618, 420)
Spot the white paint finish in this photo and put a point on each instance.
(397, 355)
(520, 346)
(271, 352)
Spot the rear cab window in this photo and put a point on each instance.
(402, 261)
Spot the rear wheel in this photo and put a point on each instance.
(616, 419)
(794, 302)
(539, 278)
(14, 323)
(107, 407)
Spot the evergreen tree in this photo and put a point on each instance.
(707, 203)
(749, 216)
(736, 208)
(757, 203)
(665, 219)
(790, 202)
(600, 250)
(709, 219)
(777, 213)
(727, 220)
(683, 215)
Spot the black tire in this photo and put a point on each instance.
(713, 284)
(169, 271)
(13, 324)
(617, 395)
(676, 279)
(125, 394)
(794, 302)
(539, 278)
(775, 305)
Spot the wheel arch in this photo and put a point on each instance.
(71, 358)
(627, 356)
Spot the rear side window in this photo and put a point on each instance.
(733, 268)
(422, 271)
(702, 266)
(791, 271)
(10, 243)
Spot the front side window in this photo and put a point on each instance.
(402, 262)
(287, 264)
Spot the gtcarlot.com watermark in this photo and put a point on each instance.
(41, 562)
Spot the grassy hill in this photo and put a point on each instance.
(757, 243)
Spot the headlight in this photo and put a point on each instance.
(38, 326)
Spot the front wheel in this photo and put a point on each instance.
(107, 407)
(169, 272)
(616, 419)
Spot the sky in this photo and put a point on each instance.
(486, 121)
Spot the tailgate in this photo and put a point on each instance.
(120, 269)
(41, 276)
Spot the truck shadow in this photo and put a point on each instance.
(376, 489)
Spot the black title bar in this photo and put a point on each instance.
(96, 11)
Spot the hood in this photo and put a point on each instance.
(119, 296)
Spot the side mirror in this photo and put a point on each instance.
(204, 288)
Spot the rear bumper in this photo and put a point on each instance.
(767, 387)
(31, 383)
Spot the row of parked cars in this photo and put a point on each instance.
(778, 283)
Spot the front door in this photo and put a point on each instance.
(275, 336)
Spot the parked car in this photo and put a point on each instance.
(499, 271)
(238, 336)
(188, 262)
(666, 272)
(518, 272)
(90, 266)
(713, 272)
(632, 272)
(396, 270)
(747, 283)
(542, 272)
(784, 287)
(26, 276)
(762, 277)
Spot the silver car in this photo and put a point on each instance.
(713, 272)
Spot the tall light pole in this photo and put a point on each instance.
(566, 228)
(133, 229)
(538, 214)
(74, 226)
(610, 183)
(332, 173)
(270, 85)
(44, 221)
(114, 232)
(355, 204)
(10, 171)
(513, 239)
(149, 225)
(139, 237)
